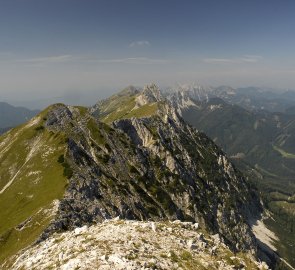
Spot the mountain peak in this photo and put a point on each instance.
(150, 94)
(129, 91)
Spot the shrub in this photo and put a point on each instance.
(39, 128)
(61, 159)
(68, 172)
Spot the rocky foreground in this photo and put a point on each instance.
(125, 244)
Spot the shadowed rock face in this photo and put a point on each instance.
(156, 167)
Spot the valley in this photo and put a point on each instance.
(261, 144)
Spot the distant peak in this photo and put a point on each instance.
(129, 90)
(150, 94)
(188, 87)
(152, 91)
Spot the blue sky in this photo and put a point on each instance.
(91, 48)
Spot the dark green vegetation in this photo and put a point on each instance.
(262, 145)
(68, 172)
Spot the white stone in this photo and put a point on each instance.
(60, 256)
(82, 251)
(191, 244)
(153, 225)
(196, 226)
(82, 230)
(186, 225)
(264, 266)
(216, 238)
(176, 221)
(71, 264)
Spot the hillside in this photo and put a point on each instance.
(130, 156)
(261, 144)
(31, 181)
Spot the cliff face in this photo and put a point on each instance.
(152, 166)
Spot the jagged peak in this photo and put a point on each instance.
(150, 94)
(133, 103)
(153, 90)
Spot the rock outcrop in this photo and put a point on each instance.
(132, 245)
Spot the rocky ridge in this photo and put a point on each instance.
(261, 144)
(154, 167)
(133, 156)
(131, 245)
(249, 98)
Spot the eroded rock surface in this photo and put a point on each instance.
(122, 244)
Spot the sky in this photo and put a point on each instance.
(84, 50)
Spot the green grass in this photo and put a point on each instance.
(285, 206)
(116, 108)
(282, 223)
(143, 111)
(283, 153)
(95, 132)
(14, 240)
(40, 181)
(287, 238)
(277, 196)
(82, 110)
(186, 255)
(259, 168)
(123, 107)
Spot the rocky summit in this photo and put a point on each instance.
(131, 156)
(130, 245)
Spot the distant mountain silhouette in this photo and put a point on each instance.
(11, 116)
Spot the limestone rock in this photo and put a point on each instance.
(133, 245)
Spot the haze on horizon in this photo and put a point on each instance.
(83, 50)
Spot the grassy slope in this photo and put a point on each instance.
(28, 153)
(283, 153)
(285, 245)
(124, 106)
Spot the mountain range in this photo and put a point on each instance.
(11, 116)
(261, 143)
(133, 156)
(249, 98)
